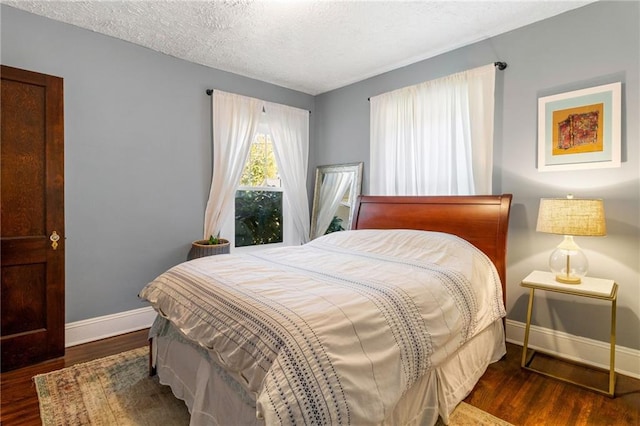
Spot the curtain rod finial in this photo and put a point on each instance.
(209, 92)
(500, 65)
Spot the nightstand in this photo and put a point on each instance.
(595, 288)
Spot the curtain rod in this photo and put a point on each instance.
(210, 92)
(501, 66)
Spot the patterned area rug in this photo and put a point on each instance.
(468, 415)
(117, 390)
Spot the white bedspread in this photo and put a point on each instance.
(335, 331)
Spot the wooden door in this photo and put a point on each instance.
(32, 218)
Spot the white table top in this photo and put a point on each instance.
(589, 286)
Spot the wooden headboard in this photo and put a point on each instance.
(482, 220)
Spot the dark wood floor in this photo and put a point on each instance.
(506, 391)
(523, 397)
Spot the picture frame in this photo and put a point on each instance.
(581, 129)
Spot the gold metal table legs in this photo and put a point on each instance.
(527, 360)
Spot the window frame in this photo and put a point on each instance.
(229, 228)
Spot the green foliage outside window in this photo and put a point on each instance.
(258, 212)
(261, 169)
(258, 217)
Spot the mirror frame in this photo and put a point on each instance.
(355, 189)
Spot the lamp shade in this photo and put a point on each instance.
(572, 216)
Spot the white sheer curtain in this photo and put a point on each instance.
(290, 134)
(434, 138)
(332, 190)
(235, 119)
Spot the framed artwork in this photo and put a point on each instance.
(580, 129)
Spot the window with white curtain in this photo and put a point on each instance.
(434, 138)
(258, 209)
(243, 129)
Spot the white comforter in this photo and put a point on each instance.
(335, 331)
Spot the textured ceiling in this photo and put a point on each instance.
(307, 45)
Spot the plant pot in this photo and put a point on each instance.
(202, 248)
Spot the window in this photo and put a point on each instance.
(269, 212)
(434, 138)
(259, 197)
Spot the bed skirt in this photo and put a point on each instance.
(214, 396)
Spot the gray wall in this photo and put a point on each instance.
(593, 45)
(137, 153)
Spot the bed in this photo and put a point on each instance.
(392, 322)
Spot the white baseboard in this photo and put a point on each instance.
(98, 328)
(592, 352)
(588, 351)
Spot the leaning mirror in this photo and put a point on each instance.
(337, 187)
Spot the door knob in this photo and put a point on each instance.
(54, 240)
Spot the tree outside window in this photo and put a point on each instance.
(258, 201)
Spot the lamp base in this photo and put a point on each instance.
(568, 262)
(568, 279)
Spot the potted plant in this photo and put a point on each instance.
(335, 225)
(212, 246)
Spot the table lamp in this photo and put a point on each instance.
(570, 217)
